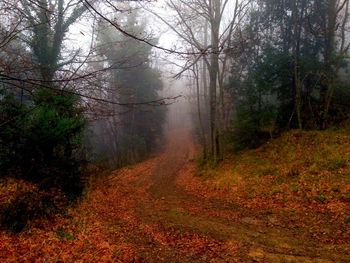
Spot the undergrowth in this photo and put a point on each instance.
(28, 206)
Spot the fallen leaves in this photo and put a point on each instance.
(137, 215)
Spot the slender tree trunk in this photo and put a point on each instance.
(213, 73)
(298, 91)
(204, 77)
(199, 111)
(298, 18)
(328, 74)
(204, 69)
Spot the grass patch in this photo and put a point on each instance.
(302, 162)
(266, 170)
(295, 187)
(346, 196)
(335, 164)
(321, 198)
(176, 212)
(62, 234)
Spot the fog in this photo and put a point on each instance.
(232, 73)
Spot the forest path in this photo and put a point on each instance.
(149, 217)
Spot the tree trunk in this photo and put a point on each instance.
(199, 111)
(328, 72)
(213, 73)
(298, 19)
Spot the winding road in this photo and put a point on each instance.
(156, 220)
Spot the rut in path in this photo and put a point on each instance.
(179, 227)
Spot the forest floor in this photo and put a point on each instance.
(167, 209)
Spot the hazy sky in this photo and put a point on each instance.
(80, 36)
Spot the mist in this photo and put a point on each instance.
(174, 130)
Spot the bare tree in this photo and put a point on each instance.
(191, 17)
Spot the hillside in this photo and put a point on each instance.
(300, 166)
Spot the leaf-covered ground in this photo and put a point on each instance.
(285, 202)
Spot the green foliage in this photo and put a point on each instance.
(296, 79)
(12, 121)
(266, 99)
(339, 111)
(41, 139)
(263, 100)
(251, 128)
(56, 124)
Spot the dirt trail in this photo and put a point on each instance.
(148, 213)
(167, 224)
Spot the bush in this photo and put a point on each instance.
(263, 100)
(253, 125)
(41, 140)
